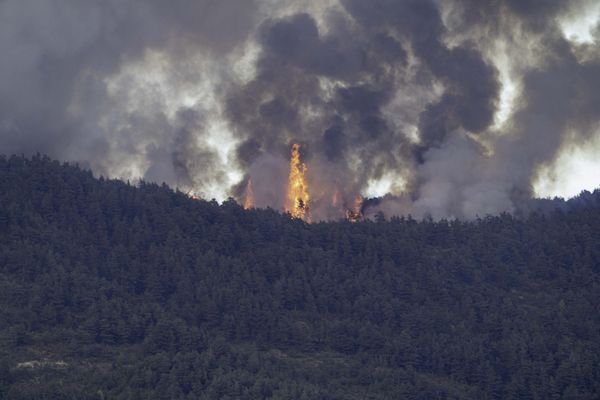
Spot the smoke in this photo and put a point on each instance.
(109, 83)
(455, 106)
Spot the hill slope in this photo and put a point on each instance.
(113, 291)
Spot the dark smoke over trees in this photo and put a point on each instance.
(441, 108)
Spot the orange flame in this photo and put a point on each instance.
(249, 200)
(335, 199)
(297, 193)
(355, 214)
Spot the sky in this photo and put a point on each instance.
(454, 109)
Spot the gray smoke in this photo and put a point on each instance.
(206, 94)
(55, 90)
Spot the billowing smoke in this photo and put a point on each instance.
(446, 109)
(106, 82)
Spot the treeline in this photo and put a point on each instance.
(115, 291)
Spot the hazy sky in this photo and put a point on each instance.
(449, 108)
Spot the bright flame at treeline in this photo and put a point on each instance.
(249, 200)
(355, 214)
(298, 199)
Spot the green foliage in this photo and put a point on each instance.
(114, 291)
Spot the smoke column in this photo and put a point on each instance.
(441, 108)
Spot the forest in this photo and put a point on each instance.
(114, 290)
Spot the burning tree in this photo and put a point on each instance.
(298, 199)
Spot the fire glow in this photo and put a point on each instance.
(302, 196)
(355, 214)
(298, 199)
(249, 200)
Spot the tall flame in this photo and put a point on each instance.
(355, 214)
(297, 193)
(335, 199)
(249, 200)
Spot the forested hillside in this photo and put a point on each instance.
(115, 291)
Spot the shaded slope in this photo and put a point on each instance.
(133, 292)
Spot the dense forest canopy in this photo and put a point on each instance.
(116, 291)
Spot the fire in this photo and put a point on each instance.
(335, 199)
(355, 214)
(249, 200)
(297, 193)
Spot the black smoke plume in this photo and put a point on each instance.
(396, 99)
